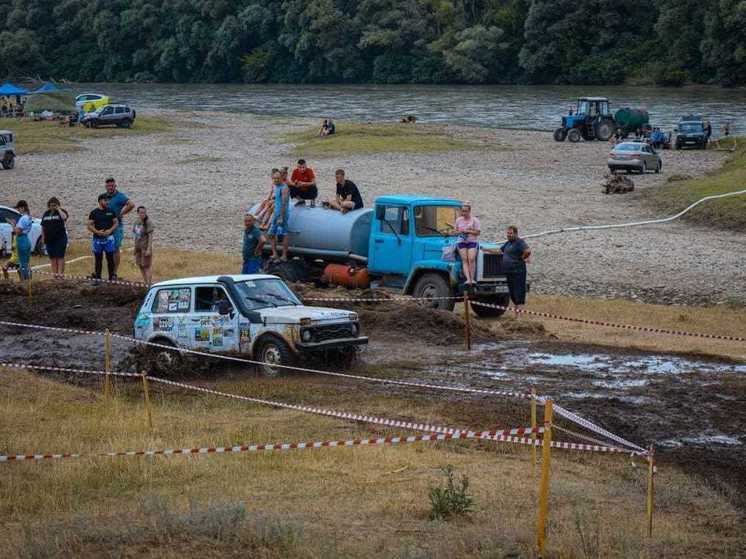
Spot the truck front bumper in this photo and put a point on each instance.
(331, 344)
(490, 288)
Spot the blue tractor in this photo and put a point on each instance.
(591, 121)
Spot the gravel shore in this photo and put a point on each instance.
(197, 179)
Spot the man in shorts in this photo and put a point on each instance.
(102, 222)
(253, 243)
(278, 227)
(121, 205)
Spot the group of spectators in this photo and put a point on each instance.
(106, 225)
(9, 108)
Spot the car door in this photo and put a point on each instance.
(107, 115)
(210, 330)
(392, 242)
(169, 314)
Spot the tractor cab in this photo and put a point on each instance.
(592, 120)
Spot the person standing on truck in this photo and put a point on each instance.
(281, 215)
(142, 232)
(468, 228)
(253, 243)
(54, 235)
(121, 205)
(515, 253)
(102, 222)
(348, 196)
(303, 184)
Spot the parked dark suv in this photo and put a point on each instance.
(116, 115)
(691, 133)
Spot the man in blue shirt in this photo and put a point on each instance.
(121, 205)
(253, 243)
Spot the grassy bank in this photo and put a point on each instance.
(51, 137)
(361, 502)
(354, 138)
(728, 213)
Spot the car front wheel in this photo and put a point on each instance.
(9, 163)
(273, 353)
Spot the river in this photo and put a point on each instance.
(524, 107)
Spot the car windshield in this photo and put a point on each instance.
(628, 147)
(691, 127)
(263, 293)
(434, 221)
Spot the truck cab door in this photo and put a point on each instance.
(391, 240)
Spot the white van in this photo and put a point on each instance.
(256, 315)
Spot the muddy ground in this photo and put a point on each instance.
(693, 409)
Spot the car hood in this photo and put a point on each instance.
(274, 315)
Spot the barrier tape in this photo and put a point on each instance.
(372, 441)
(89, 279)
(541, 399)
(273, 403)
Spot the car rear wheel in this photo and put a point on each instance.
(574, 135)
(273, 353)
(164, 360)
(124, 124)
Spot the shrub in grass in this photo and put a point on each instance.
(451, 500)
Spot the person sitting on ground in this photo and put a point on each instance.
(327, 127)
(302, 184)
(280, 217)
(253, 244)
(102, 222)
(468, 228)
(142, 231)
(54, 235)
(348, 196)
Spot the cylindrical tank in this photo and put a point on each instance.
(328, 233)
(347, 276)
(631, 118)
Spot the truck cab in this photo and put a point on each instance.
(254, 315)
(412, 247)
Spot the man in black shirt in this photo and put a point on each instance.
(102, 222)
(348, 196)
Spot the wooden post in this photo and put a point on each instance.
(546, 457)
(651, 473)
(533, 434)
(107, 364)
(467, 321)
(146, 394)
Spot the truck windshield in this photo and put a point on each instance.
(263, 293)
(691, 127)
(435, 221)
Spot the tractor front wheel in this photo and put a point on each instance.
(560, 134)
(574, 135)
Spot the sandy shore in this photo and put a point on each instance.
(197, 180)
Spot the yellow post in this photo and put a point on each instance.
(146, 394)
(533, 434)
(546, 457)
(107, 364)
(467, 321)
(651, 473)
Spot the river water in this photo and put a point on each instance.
(523, 107)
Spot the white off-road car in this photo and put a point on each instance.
(256, 316)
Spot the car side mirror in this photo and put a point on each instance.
(224, 307)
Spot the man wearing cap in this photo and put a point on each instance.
(253, 243)
(120, 204)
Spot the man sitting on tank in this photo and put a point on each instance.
(348, 196)
(302, 184)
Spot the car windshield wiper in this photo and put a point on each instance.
(438, 231)
(260, 300)
(281, 298)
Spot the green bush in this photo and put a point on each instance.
(451, 500)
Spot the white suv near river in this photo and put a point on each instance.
(256, 316)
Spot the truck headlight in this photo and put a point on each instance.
(355, 328)
(306, 335)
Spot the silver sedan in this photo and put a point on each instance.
(634, 156)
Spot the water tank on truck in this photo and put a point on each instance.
(629, 120)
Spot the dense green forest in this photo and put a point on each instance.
(667, 42)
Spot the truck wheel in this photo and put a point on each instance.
(9, 163)
(273, 352)
(604, 131)
(164, 361)
(433, 286)
(560, 134)
(574, 135)
(289, 271)
(489, 312)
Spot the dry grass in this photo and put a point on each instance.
(364, 502)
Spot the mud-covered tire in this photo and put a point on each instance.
(272, 352)
(9, 163)
(490, 312)
(434, 286)
(164, 361)
(604, 130)
(560, 134)
(574, 135)
(290, 271)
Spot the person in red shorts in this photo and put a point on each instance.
(302, 184)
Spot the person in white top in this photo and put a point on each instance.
(468, 228)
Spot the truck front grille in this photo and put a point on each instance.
(332, 332)
(491, 266)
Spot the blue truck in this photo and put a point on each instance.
(403, 243)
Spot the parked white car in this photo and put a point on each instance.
(8, 215)
(256, 315)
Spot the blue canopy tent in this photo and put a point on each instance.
(8, 89)
(46, 87)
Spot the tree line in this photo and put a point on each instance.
(667, 42)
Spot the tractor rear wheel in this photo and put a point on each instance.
(560, 134)
(604, 130)
(574, 135)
